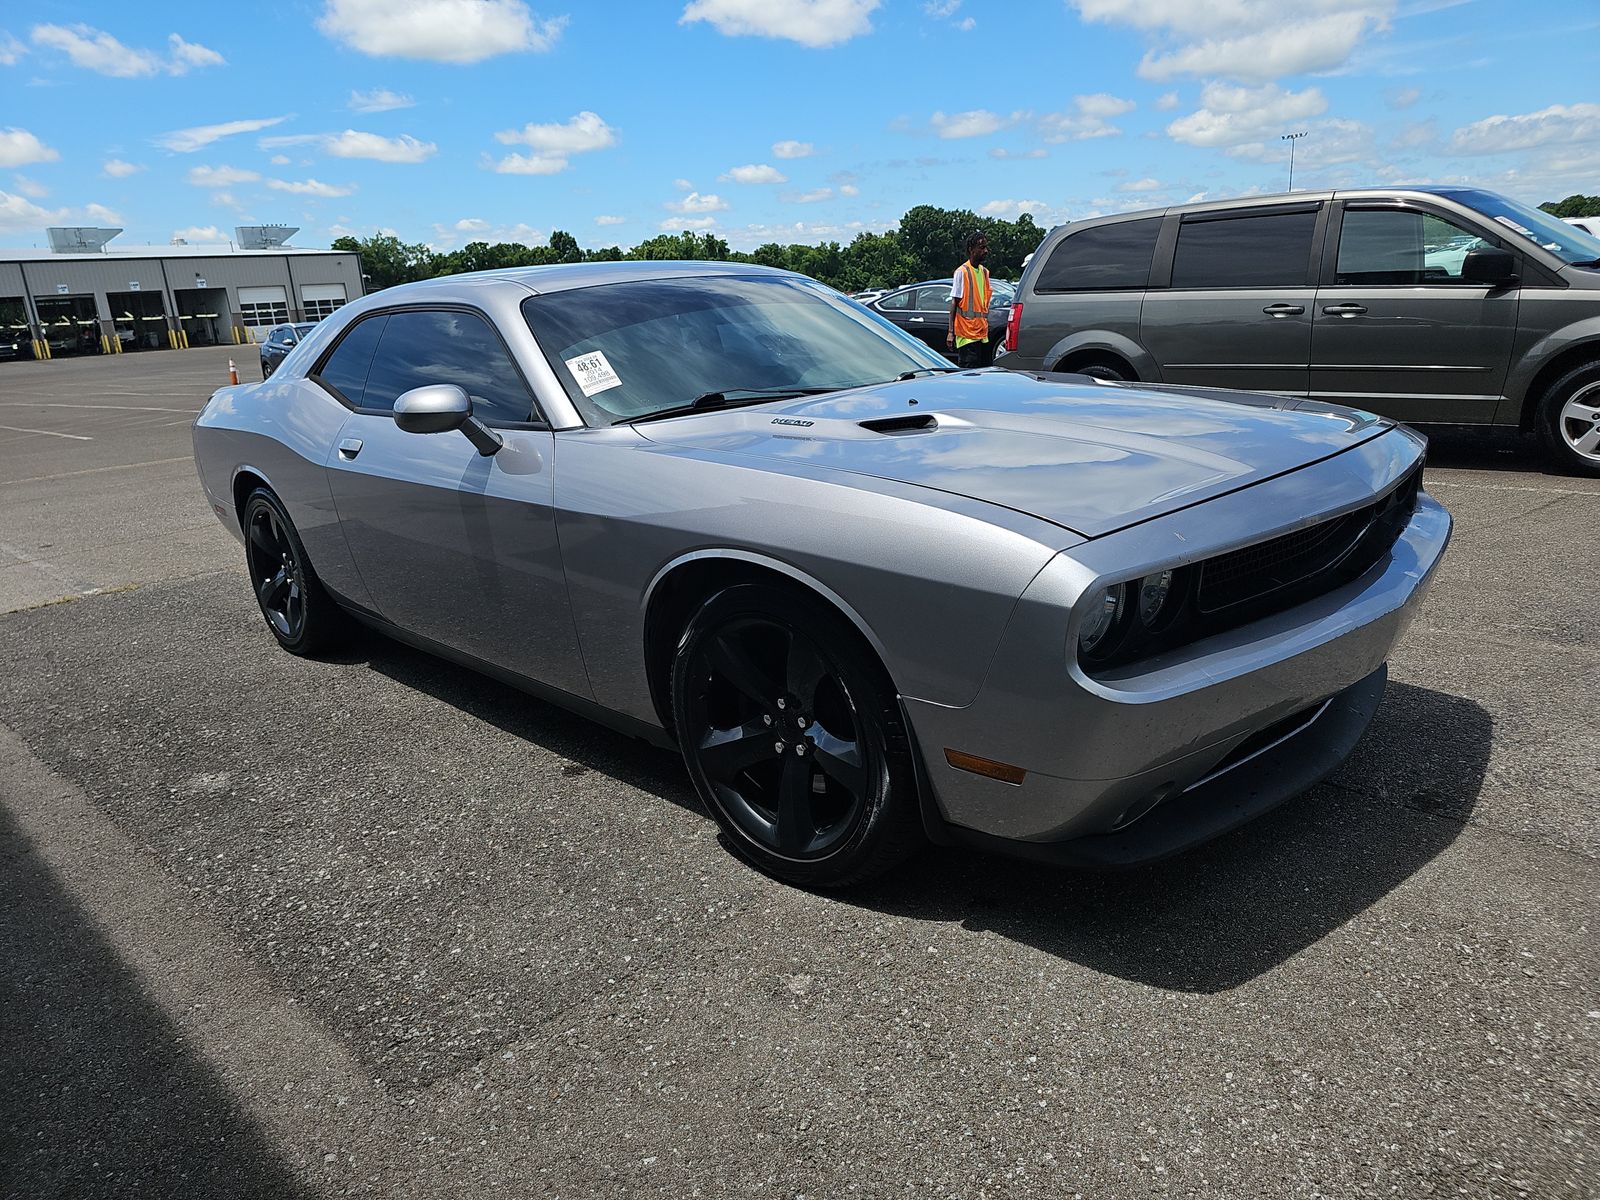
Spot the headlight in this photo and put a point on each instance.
(1154, 591)
(1102, 612)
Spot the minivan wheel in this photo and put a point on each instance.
(1100, 370)
(1569, 419)
(793, 739)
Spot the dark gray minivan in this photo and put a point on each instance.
(1426, 304)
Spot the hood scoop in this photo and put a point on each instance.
(910, 423)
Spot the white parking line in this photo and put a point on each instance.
(1500, 487)
(77, 437)
(92, 407)
(154, 462)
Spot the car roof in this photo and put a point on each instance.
(567, 276)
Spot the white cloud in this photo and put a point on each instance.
(1167, 101)
(403, 149)
(1010, 210)
(309, 187)
(608, 219)
(280, 160)
(1088, 118)
(200, 233)
(116, 168)
(1140, 185)
(19, 215)
(187, 55)
(530, 164)
(753, 173)
(1560, 125)
(379, 100)
(976, 123)
(1398, 98)
(814, 23)
(31, 188)
(815, 196)
(673, 226)
(694, 202)
(185, 141)
(226, 200)
(1327, 143)
(967, 24)
(95, 50)
(1230, 115)
(1255, 40)
(940, 9)
(1002, 152)
(683, 185)
(472, 225)
(220, 177)
(106, 216)
(11, 50)
(450, 31)
(476, 229)
(555, 142)
(849, 189)
(793, 149)
(18, 148)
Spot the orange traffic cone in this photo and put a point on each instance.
(233, 372)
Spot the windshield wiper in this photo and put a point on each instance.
(727, 398)
(904, 375)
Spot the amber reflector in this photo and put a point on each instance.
(1004, 772)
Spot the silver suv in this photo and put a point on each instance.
(1428, 304)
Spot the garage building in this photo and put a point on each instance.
(80, 297)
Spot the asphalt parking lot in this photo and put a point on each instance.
(377, 926)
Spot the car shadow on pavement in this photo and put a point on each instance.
(98, 1094)
(1219, 916)
(1484, 448)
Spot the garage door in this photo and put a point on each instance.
(318, 300)
(261, 308)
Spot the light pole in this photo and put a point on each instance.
(1292, 138)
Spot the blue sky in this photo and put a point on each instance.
(448, 121)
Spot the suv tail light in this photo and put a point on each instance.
(1013, 325)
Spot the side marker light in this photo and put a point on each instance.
(987, 767)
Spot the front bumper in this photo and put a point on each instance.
(1104, 756)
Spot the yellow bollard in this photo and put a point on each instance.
(105, 346)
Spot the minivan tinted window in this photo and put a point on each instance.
(1266, 250)
(1102, 258)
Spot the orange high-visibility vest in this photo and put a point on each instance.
(972, 310)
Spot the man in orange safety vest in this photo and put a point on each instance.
(969, 307)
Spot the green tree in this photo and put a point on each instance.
(687, 246)
(387, 261)
(1575, 205)
(564, 247)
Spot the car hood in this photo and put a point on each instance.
(1090, 457)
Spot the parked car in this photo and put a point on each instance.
(279, 341)
(1438, 304)
(16, 345)
(1590, 225)
(872, 599)
(923, 310)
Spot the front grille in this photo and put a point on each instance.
(1326, 554)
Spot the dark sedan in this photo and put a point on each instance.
(923, 310)
(280, 340)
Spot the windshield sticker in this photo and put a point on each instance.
(1510, 224)
(593, 372)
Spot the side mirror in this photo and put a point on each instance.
(1491, 265)
(439, 408)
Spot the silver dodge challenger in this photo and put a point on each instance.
(873, 599)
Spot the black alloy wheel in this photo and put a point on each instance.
(298, 612)
(792, 739)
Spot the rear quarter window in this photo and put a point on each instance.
(345, 368)
(1102, 258)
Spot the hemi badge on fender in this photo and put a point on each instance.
(791, 421)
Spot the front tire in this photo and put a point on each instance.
(1569, 419)
(793, 738)
(301, 615)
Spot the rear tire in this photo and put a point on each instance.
(1569, 419)
(1100, 370)
(301, 615)
(793, 738)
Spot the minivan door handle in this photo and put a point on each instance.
(1343, 310)
(1284, 310)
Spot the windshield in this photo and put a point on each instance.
(1555, 235)
(625, 350)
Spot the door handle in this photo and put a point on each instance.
(918, 320)
(1343, 310)
(349, 448)
(1284, 310)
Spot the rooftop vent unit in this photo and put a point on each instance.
(79, 239)
(263, 237)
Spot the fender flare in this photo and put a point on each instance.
(1124, 347)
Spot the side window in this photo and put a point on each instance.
(1101, 259)
(345, 370)
(1269, 250)
(1392, 247)
(420, 348)
(934, 299)
(897, 300)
